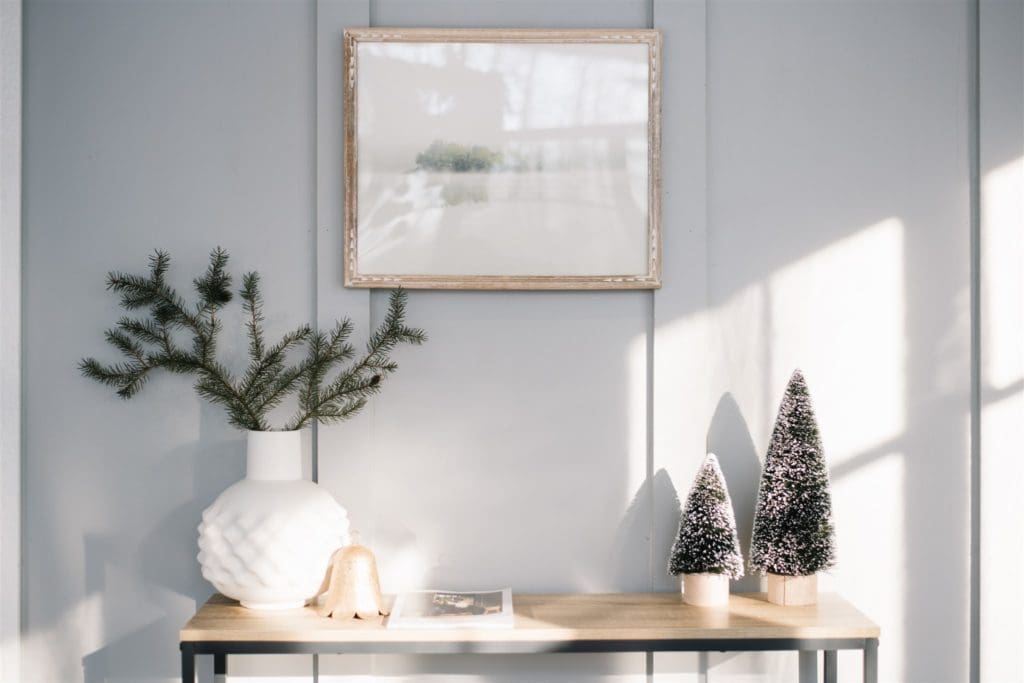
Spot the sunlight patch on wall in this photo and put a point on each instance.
(1002, 421)
(745, 350)
(871, 547)
(839, 315)
(79, 629)
(1002, 274)
(683, 406)
(1002, 539)
(405, 568)
(680, 388)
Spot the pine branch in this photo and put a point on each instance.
(282, 385)
(209, 346)
(340, 334)
(259, 380)
(363, 378)
(178, 362)
(323, 354)
(159, 262)
(214, 287)
(217, 379)
(126, 345)
(144, 331)
(138, 292)
(252, 304)
(169, 310)
(127, 378)
(148, 344)
(265, 366)
(332, 414)
(326, 406)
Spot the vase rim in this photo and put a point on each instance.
(274, 431)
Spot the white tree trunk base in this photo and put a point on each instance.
(706, 590)
(792, 590)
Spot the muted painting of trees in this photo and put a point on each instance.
(451, 156)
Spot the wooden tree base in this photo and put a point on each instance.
(792, 590)
(706, 590)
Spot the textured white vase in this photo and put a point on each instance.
(267, 541)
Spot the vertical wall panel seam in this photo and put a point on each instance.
(12, 464)
(974, 192)
(315, 428)
(649, 396)
(371, 21)
(704, 658)
(314, 431)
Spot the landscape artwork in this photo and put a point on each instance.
(502, 159)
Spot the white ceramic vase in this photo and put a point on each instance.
(267, 541)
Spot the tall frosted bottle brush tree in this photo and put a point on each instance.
(794, 536)
(707, 550)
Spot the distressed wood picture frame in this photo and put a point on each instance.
(502, 158)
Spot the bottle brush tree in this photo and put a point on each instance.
(150, 339)
(793, 530)
(707, 541)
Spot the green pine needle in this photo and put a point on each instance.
(148, 343)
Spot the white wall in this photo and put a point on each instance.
(1001, 260)
(839, 242)
(174, 124)
(816, 205)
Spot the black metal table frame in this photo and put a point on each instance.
(220, 649)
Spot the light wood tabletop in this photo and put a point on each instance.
(552, 618)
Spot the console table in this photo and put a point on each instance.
(616, 622)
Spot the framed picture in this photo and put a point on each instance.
(502, 159)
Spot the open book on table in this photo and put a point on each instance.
(452, 609)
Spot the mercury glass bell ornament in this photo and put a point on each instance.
(353, 586)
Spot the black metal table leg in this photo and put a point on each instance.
(220, 668)
(871, 660)
(808, 666)
(188, 663)
(831, 666)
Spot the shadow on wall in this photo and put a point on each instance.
(171, 585)
(633, 538)
(895, 327)
(729, 439)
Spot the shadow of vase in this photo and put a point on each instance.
(161, 573)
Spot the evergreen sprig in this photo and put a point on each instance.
(147, 341)
(793, 530)
(707, 542)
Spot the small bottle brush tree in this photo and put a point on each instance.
(707, 550)
(149, 340)
(793, 531)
